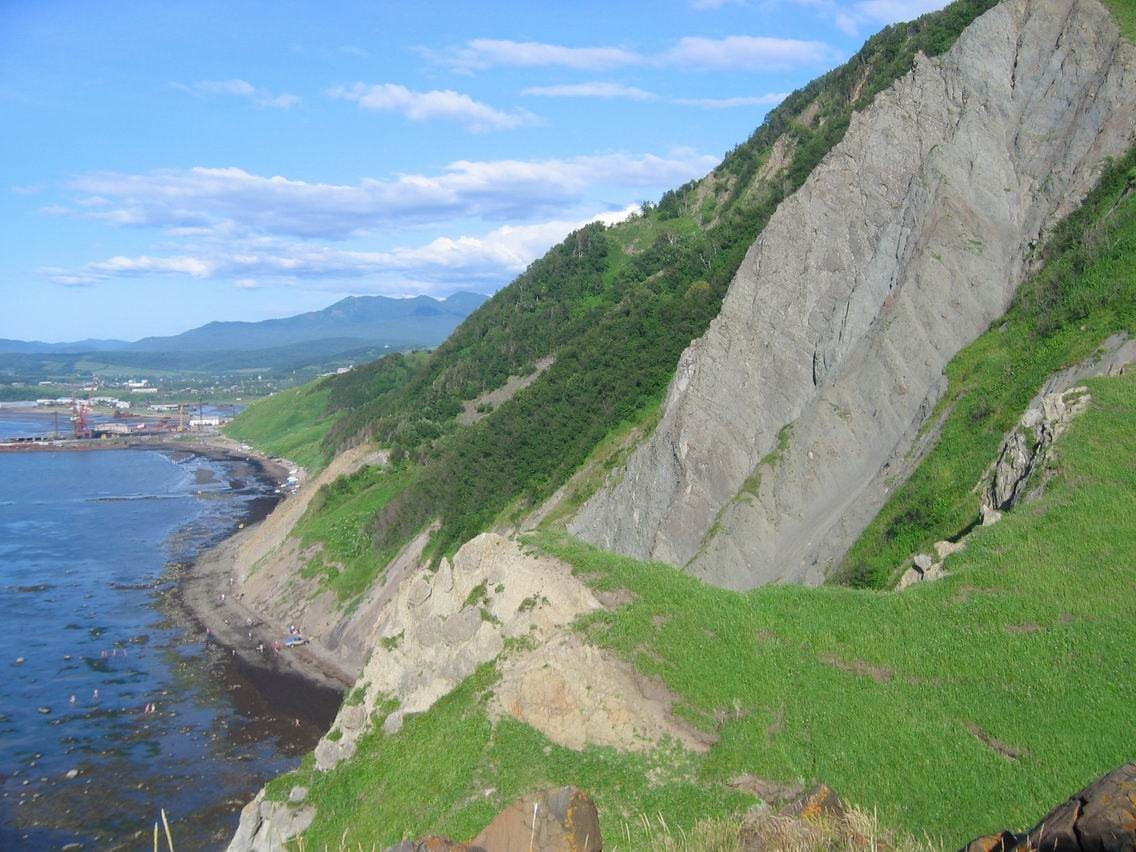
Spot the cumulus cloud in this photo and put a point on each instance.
(241, 89)
(591, 90)
(475, 116)
(772, 99)
(488, 53)
(748, 53)
(486, 261)
(233, 202)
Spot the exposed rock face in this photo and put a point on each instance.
(1026, 447)
(577, 695)
(443, 625)
(901, 248)
(265, 825)
(1100, 818)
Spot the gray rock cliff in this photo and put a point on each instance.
(905, 243)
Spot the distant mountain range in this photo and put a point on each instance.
(8, 347)
(351, 323)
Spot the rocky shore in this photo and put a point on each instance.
(210, 589)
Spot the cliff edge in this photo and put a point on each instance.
(789, 420)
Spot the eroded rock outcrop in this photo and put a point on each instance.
(494, 601)
(787, 423)
(1027, 448)
(266, 825)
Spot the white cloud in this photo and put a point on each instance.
(486, 261)
(440, 103)
(591, 90)
(772, 99)
(487, 53)
(742, 52)
(891, 11)
(750, 53)
(241, 89)
(851, 17)
(232, 202)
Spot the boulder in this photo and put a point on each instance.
(266, 826)
(560, 820)
(1100, 818)
(992, 842)
(817, 801)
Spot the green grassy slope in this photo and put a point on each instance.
(1085, 292)
(339, 519)
(289, 423)
(955, 707)
(294, 423)
(1125, 13)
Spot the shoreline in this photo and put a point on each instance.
(210, 592)
(200, 583)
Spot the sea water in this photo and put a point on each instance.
(114, 705)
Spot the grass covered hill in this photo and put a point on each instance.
(952, 709)
(949, 710)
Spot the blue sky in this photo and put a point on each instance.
(166, 164)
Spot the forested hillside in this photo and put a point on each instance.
(614, 306)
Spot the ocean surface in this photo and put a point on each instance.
(114, 704)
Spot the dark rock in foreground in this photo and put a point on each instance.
(1100, 818)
